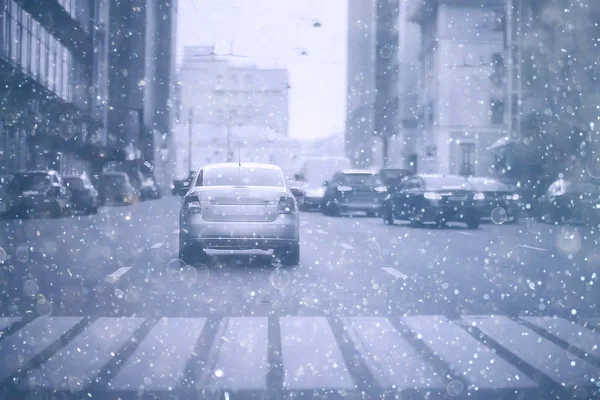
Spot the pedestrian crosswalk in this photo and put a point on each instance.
(239, 356)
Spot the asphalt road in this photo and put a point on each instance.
(99, 306)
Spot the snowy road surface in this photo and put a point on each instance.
(99, 307)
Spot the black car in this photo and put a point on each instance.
(116, 188)
(570, 201)
(84, 196)
(354, 190)
(434, 199)
(494, 197)
(33, 193)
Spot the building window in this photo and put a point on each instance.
(25, 41)
(494, 20)
(34, 48)
(467, 159)
(248, 79)
(497, 111)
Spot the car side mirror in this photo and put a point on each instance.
(183, 191)
(326, 183)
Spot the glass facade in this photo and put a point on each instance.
(36, 52)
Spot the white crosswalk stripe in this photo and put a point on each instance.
(425, 353)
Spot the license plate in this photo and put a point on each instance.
(457, 198)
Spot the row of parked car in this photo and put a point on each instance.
(438, 199)
(32, 193)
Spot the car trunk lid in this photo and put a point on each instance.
(239, 204)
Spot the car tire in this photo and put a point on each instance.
(92, 210)
(414, 218)
(57, 211)
(331, 209)
(289, 255)
(473, 222)
(190, 254)
(388, 215)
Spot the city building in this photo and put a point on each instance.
(461, 101)
(403, 147)
(229, 107)
(68, 70)
(372, 91)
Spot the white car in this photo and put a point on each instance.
(234, 206)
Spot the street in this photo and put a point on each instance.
(99, 306)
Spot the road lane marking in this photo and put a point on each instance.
(321, 231)
(162, 356)
(395, 272)
(117, 274)
(346, 246)
(464, 233)
(157, 245)
(311, 356)
(526, 246)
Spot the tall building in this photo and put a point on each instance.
(372, 107)
(460, 105)
(69, 68)
(230, 107)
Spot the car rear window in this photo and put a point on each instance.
(74, 183)
(362, 179)
(244, 176)
(24, 182)
(489, 185)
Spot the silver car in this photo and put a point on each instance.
(239, 207)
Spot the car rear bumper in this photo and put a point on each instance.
(240, 235)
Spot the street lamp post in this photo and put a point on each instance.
(190, 129)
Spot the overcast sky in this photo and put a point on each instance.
(278, 29)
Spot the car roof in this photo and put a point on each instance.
(242, 165)
(440, 176)
(36, 172)
(113, 173)
(358, 172)
(72, 177)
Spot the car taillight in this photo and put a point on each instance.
(193, 206)
(287, 205)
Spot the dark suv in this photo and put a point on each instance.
(32, 193)
(354, 190)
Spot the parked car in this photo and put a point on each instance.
(84, 196)
(570, 201)
(492, 195)
(116, 188)
(354, 190)
(434, 199)
(34, 193)
(179, 184)
(311, 176)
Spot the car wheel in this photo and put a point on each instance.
(92, 210)
(473, 222)
(331, 209)
(191, 254)
(57, 211)
(415, 218)
(289, 255)
(388, 215)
